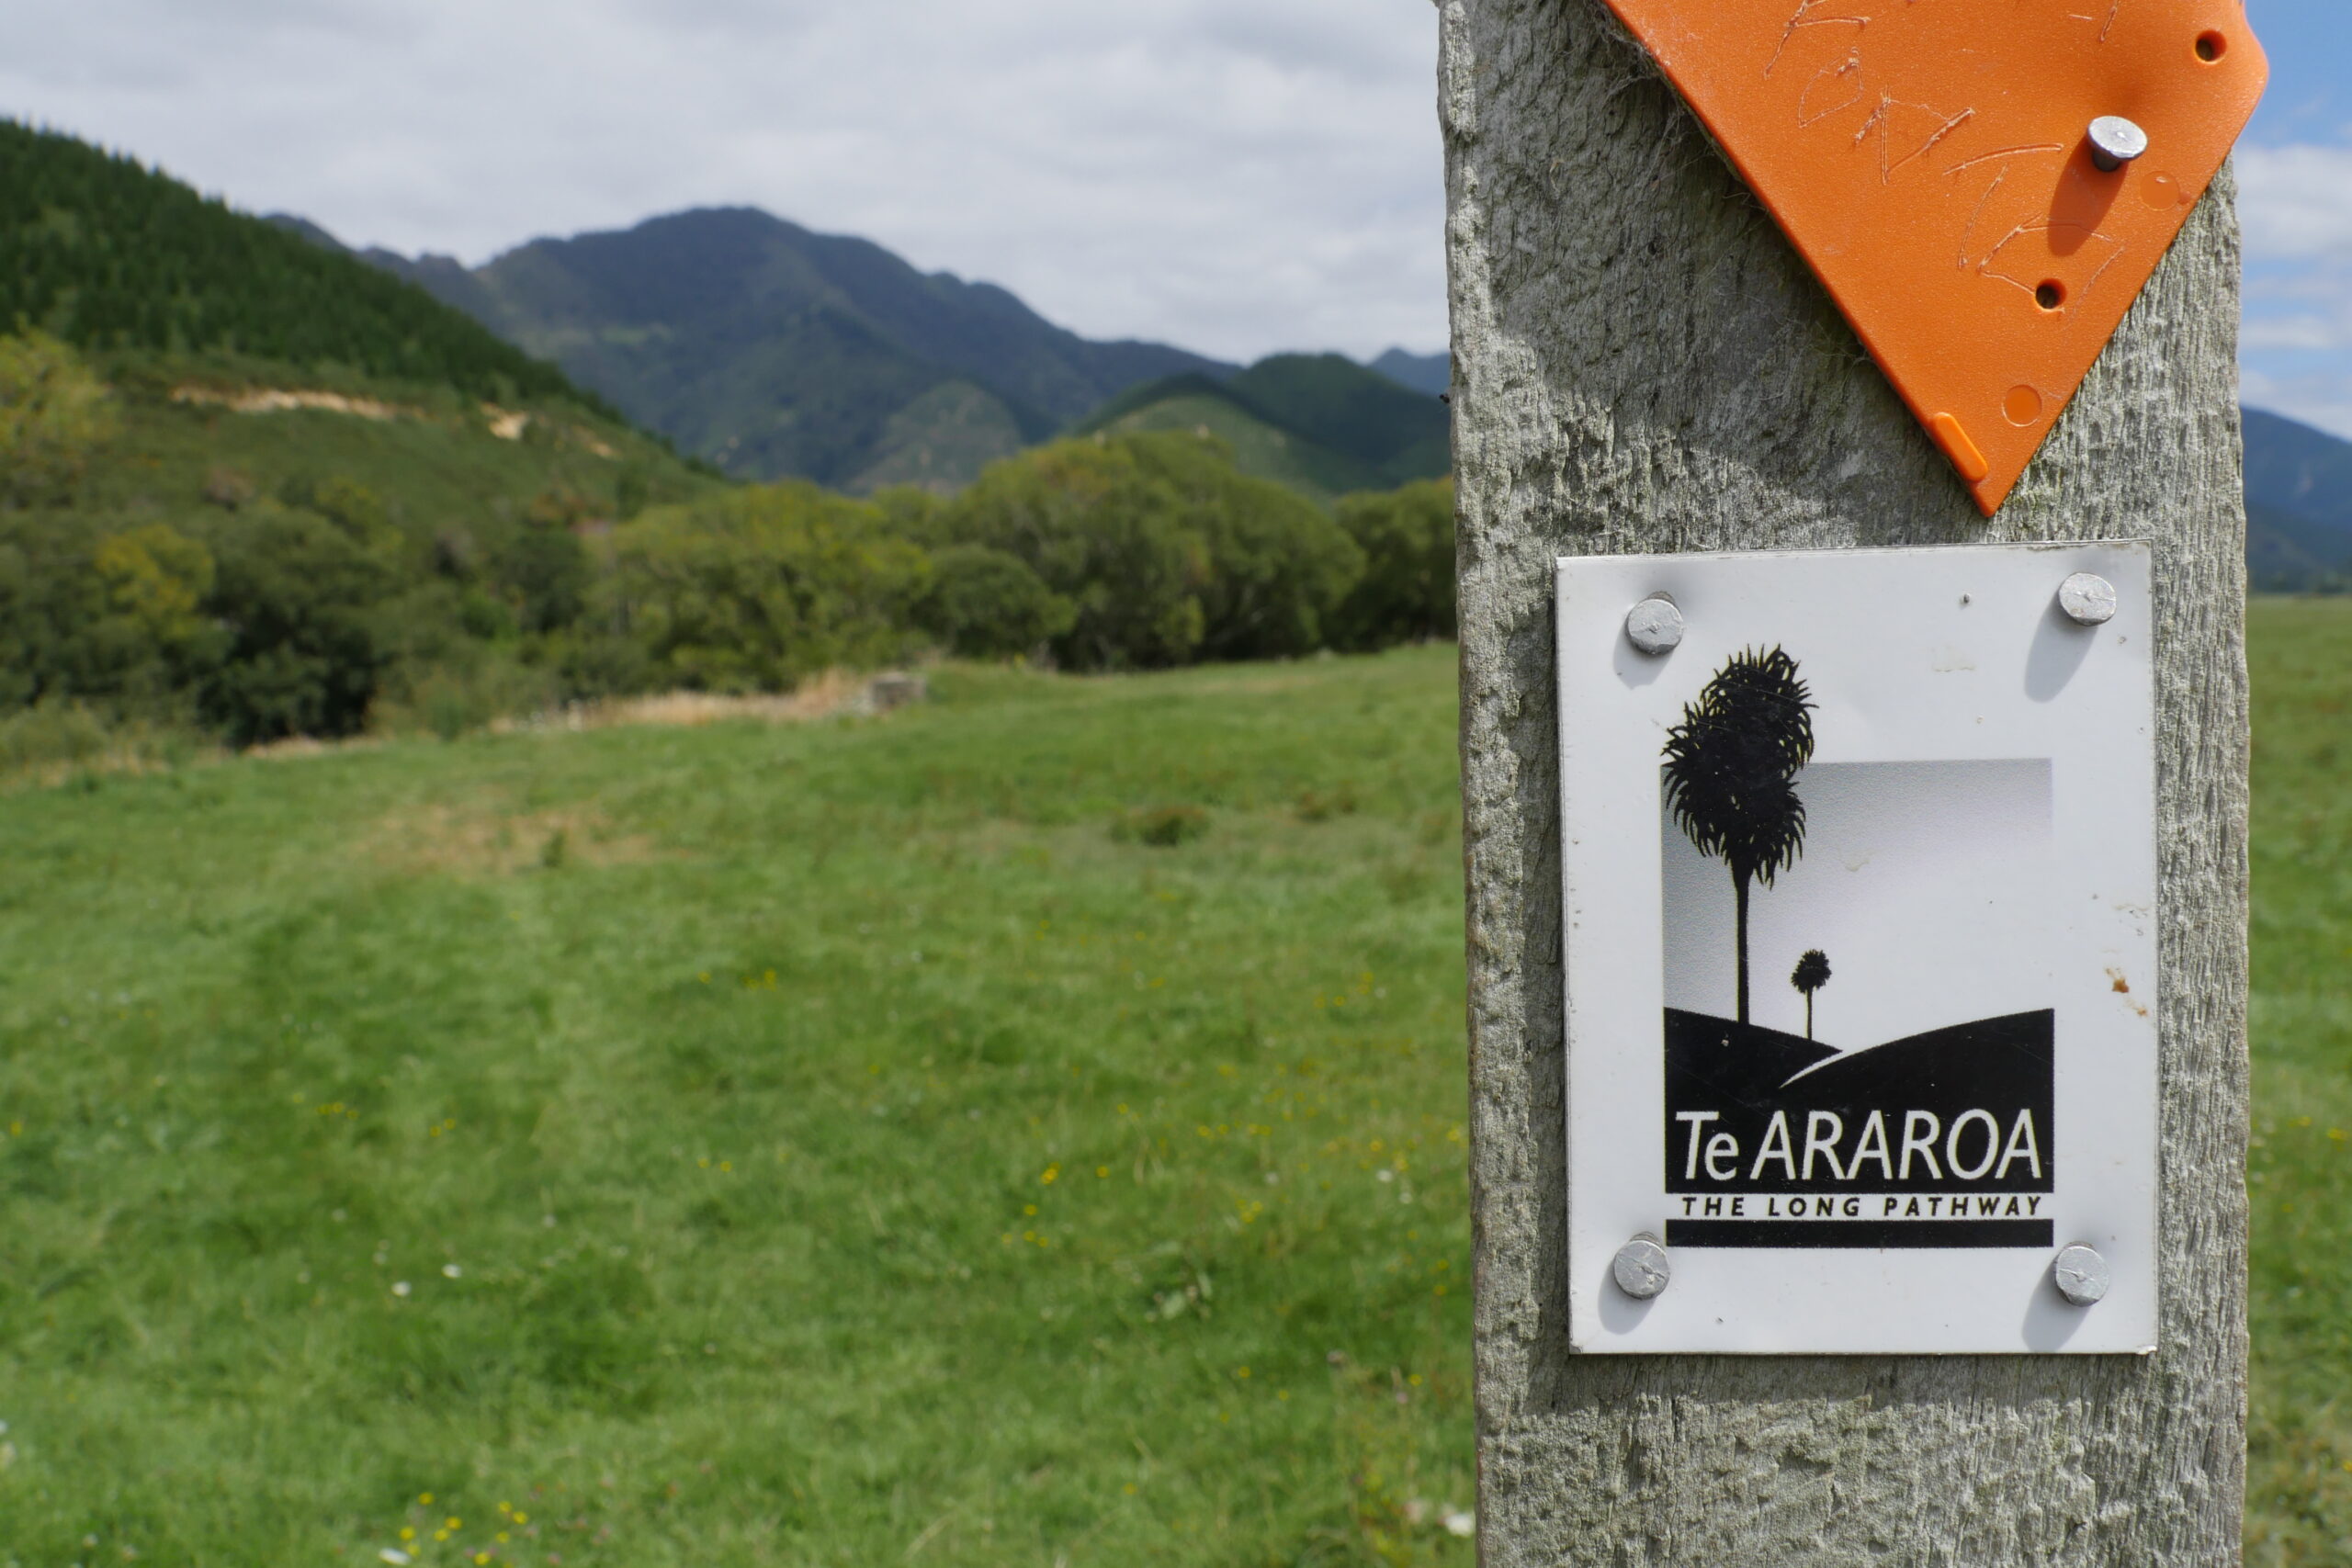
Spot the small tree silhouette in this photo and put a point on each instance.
(1811, 973)
(1728, 764)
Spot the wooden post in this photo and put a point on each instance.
(1643, 363)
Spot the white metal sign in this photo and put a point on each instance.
(1859, 861)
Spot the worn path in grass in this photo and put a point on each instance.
(751, 1145)
(835, 1143)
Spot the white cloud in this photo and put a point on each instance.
(2296, 204)
(2316, 332)
(1223, 174)
(2296, 201)
(2321, 400)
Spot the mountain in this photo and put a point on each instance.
(1430, 373)
(776, 352)
(1320, 423)
(2299, 503)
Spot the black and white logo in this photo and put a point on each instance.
(1858, 1037)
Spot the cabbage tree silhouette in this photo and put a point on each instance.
(1728, 767)
(1811, 974)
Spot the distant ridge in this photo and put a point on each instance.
(776, 352)
(2299, 504)
(772, 351)
(1430, 373)
(1320, 423)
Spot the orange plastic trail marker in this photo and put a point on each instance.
(1936, 162)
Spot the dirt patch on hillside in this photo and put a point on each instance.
(506, 424)
(275, 399)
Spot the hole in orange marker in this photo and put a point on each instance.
(2211, 47)
(2051, 295)
(2022, 406)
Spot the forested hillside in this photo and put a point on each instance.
(111, 257)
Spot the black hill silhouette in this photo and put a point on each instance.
(1728, 767)
(1732, 1064)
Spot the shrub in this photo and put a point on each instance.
(466, 687)
(593, 661)
(1405, 593)
(758, 587)
(53, 734)
(986, 603)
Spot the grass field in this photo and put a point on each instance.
(898, 1141)
(816, 1144)
(2300, 1170)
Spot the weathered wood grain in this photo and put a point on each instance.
(1643, 363)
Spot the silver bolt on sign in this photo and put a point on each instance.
(2116, 141)
(1642, 1268)
(2089, 600)
(1654, 624)
(2082, 1275)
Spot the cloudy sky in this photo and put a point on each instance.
(1235, 175)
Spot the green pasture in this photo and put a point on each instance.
(875, 1141)
(848, 1143)
(2299, 1168)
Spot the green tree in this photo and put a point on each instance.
(760, 587)
(1406, 592)
(1278, 564)
(987, 603)
(301, 604)
(54, 415)
(1728, 769)
(1109, 533)
(1165, 551)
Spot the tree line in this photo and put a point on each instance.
(319, 606)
